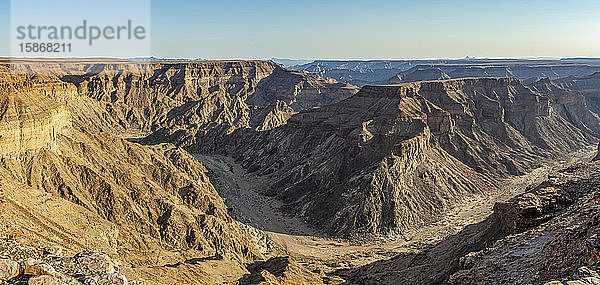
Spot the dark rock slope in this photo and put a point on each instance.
(394, 157)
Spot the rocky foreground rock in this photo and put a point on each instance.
(21, 263)
(557, 226)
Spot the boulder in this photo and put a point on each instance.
(8, 269)
(87, 262)
(531, 209)
(106, 279)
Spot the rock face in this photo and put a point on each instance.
(8, 269)
(388, 147)
(430, 266)
(140, 97)
(28, 122)
(569, 104)
(588, 85)
(583, 276)
(531, 209)
(381, 162)
(561, 249)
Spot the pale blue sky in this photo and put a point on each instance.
(373, 29)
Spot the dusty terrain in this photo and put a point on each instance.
(241, 193)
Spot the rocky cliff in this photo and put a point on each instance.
(543, 235)
(140, 97)
(67, 183)
(68, 174)
(589, 86)
(571, 105)
(197, 96)
(373, 163)
(29, 119)
(379, 163)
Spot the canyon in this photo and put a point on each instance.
(245, 172)
(378, 72)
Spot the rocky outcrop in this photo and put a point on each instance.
(545, 235)
(87, 267)
(159, 198)
(557, 248)
(531, 209)
(583, 276)
(280, 270)
(430, 265)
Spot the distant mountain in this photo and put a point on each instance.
(381, 72)
(152, 58)
(290, 62)
(579, 59)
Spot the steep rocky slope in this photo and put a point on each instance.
(70, 179)
(570, 105)
(199, 96)
(147, 206)
(394, 157)
(556, 235)
(382, 162)
(496, 250)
